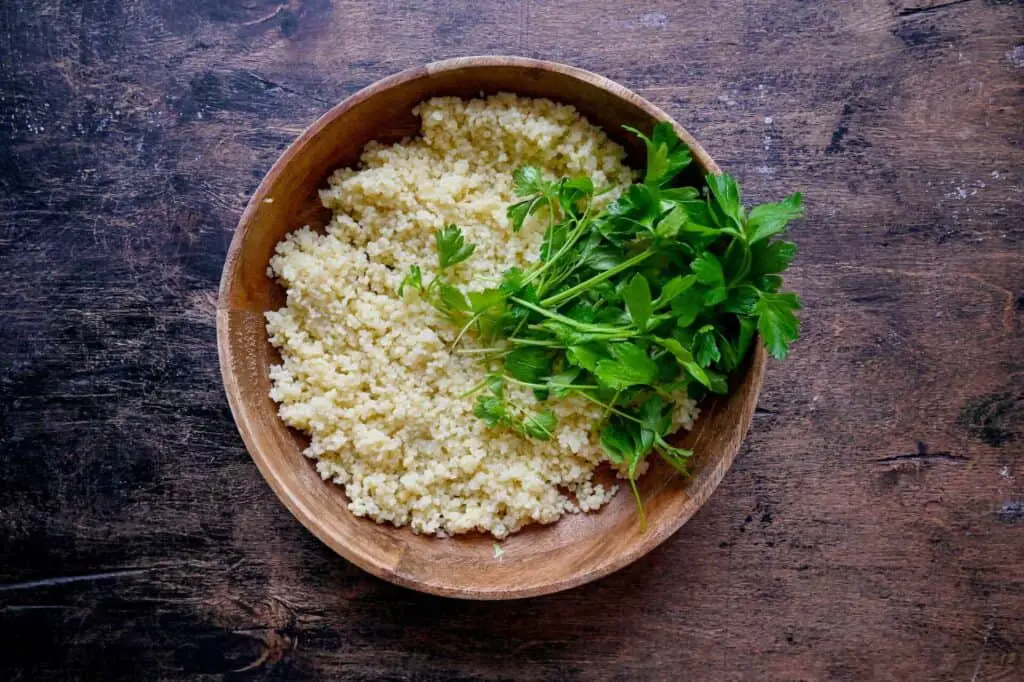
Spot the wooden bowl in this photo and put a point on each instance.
(539, 559)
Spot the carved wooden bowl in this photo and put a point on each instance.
(539, 559)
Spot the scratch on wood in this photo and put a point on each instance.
(922, 454)
(910, 11)
(68, 579)
(981, 654)
(272, 85)
(267, 17)
(33, 607)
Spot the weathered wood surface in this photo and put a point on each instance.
(872, 527)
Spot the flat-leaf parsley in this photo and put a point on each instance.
(657, 291)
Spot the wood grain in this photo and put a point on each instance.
(871, 526)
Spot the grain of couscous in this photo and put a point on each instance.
(368, 375)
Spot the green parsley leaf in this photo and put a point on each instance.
(705, 346)
(769, 219)
(677, 195)
(741, 300)
(528, 364)
(540, 425)
(413, 280)
(585, 355)
(653, 416)
(572, 192)
(496, 384)
(727, 196)
(771, 257)
(641, 204)
(491, 409)
(623, 444)
(518, 213)
(676, 457)
(686, 360)
(601, 258)
(488, 307)
(629, 365)
(560, 384)
(512, 282)
(452, 300)
(451, 246)
(637, 297)
(776, 322)
(617, 442)
(715, 296)
(528, 181)
(744, 338)
(666, 153)
(699, 219)
(736, 261)
(488, 299)
(674, 287)
(717, 382)
(671, 223)
(708, 269)
(688, 305)
(769, 283)
(729, 360)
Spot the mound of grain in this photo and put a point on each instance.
(369, 375)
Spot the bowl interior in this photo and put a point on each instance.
(539, 559)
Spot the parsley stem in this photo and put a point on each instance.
(570, 241)
(474, 389)
(481, 351)
(563, 296)
(548, 234)
(639, 504)
(534, 342)
(545, 283)
(582, 326)
(609, 408)
(465, 328)
(532, 385)
(609, 334)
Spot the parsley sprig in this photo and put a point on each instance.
(660, 291)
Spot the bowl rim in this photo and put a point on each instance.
(368, 561)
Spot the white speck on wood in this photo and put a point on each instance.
(1016, 56)
(653, 20)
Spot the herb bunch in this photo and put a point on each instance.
(658, 292)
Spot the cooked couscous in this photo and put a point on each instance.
(369, 375)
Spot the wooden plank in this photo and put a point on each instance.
(872, 527)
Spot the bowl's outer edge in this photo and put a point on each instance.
(306, 516)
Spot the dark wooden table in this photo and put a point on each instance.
(873, 525)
